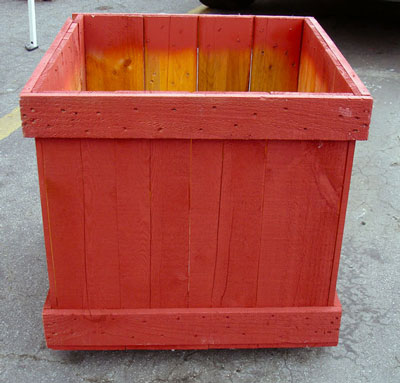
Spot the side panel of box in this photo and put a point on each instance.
(139, 223)
(61, 186)
(302, 194)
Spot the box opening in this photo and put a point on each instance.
(192, 53)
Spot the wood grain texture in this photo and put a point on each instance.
(303, 189)
(170, 52)
(62, 198)
(63, 70)
(205, 199)
(276, 52)
(132, 161)
(336, 56)
(101, 224)
(44, 62)
(342, 217)
(170, 174)
(192, 328)
(302, 116)
(79, 20)
(52, 295)
(319, 71)
(114, 52)
(224, 53)
(170, 46)
(240, 219)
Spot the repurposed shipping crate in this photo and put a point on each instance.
(194, 174)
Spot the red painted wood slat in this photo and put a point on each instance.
(63, 70)
(336, 56)
(63, 213)
(303, 188)
(205, 198)
(192, 328)
(319, 71)
(342, 216)
(44, 62)
(170, 168)
(79, 20)
(235, 278)
(132, 161)
(279, 116)
(101, 224)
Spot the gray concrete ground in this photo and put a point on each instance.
(369, 351)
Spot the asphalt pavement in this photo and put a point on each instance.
(368, 34)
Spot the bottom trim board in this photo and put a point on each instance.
(191, 328)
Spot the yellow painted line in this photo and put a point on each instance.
(200, 9)
(9, 123)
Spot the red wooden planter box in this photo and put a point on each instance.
(194, 174)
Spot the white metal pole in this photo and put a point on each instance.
(32, 26)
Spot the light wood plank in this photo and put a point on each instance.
(276, 52)
(114, 52)
(224, 53)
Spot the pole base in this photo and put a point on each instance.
(31, 47)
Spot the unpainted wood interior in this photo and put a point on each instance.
(192, 53)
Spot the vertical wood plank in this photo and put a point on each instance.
(170, 162)
(114, 52)
(224, 53)
(101, 224)
(132, 158)
(343, 206)
(276, 51)
(63, 71)
(205, 195)
(44, 62)
(318, 73)
(82, 56)
(170, 57)
(64, 225)
(46, 224)
(171, 52)
(303, 188)
(240, 224)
